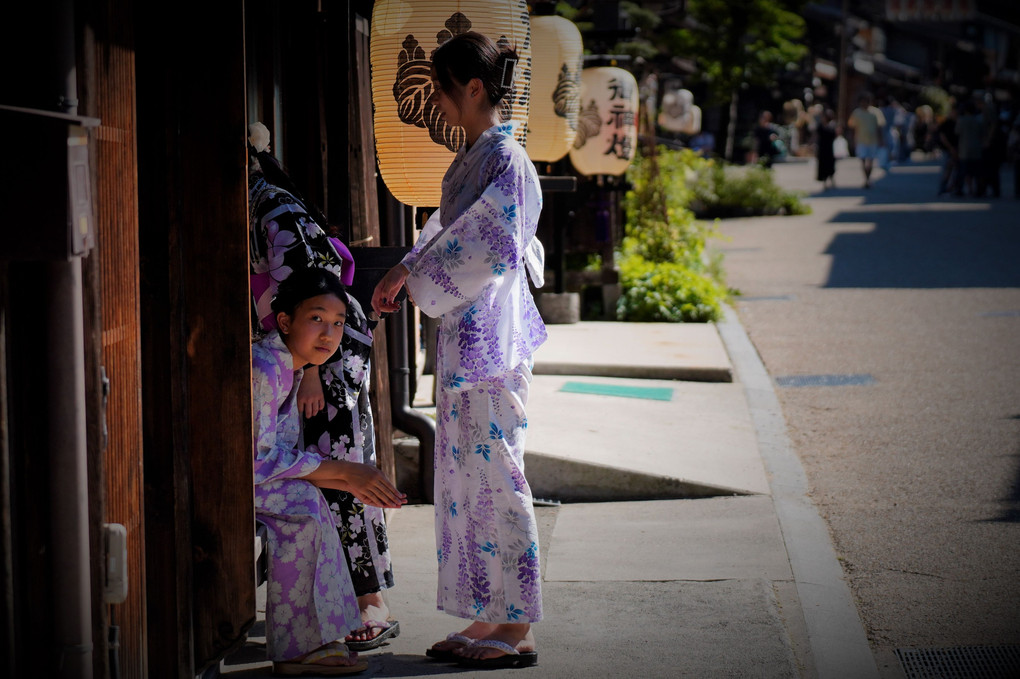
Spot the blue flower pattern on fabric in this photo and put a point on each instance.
(451, 254)
(453, 381)
(469, 272)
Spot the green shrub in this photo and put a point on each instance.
(721, 191)
(663, 273)
(667, 292)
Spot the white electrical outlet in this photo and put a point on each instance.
(115, 539)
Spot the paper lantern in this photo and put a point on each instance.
(414, 144)
(555, 87)
(607, 122)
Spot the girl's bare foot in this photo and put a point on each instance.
(373, 610)
(516, 635)
(376, 625)
(331, 658)
(455, 642)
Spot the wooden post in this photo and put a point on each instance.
(196, 346)
(365, 229)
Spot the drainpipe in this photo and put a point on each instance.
(68, 481)
(65, 385)
(404, 416)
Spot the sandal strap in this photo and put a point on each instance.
(498, 645)
(460, 639)
(334, 649)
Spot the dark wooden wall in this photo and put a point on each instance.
(196, 352)
(309, 82)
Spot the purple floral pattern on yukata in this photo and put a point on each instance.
(486, 533)
(310, 597)
(470, 269)
(285, 238)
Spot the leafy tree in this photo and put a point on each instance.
(739, 41)
(645, 22)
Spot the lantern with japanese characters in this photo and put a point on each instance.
(414, 143)
(607, 122)
(555, 87)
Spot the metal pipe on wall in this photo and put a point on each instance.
(404, 416)
(63, 412)
(68, 479)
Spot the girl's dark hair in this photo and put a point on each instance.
(473, 55)
(277, 176)
(305, 284)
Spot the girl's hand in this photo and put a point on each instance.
(363, 481)
(384, 297)
(310, 399)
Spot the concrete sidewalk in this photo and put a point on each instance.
(678, 540)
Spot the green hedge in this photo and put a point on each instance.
(667, 292)
(721, 191)
(671, 210)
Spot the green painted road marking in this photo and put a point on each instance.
(650, 393)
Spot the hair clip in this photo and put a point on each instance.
(509, 68)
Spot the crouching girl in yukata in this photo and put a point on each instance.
(311, 604)
(287, 234)
(468, 269)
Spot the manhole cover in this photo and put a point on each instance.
(964, 662)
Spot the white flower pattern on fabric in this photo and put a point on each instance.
(470, 269)
(304, 547)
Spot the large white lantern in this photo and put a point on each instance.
(414, 144)
(555, 87)
(607, 123)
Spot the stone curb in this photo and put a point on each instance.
(839, 644)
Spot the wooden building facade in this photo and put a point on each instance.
(152, 311)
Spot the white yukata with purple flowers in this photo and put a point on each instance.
(470, 269)
(310, 598)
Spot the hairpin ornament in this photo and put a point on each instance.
(509, 68)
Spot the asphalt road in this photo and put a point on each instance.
(890, 321)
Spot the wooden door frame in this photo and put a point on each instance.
(196, 351)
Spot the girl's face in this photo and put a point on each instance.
(447, 102)
(314, 332)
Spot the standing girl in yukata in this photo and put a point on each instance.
(287, 234)
(469, 269)
(311, 603)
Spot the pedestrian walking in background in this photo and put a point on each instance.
(1014, 154)
(766, 135)
(993, 150)
(923, 130)
(469, 269)
(868, 125)
(311, 604)
(970, 131)
(948, 143)
(825, 149)
(287, 235)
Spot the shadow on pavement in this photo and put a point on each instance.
(943, 243)
(1010, 512)
(962, 249)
